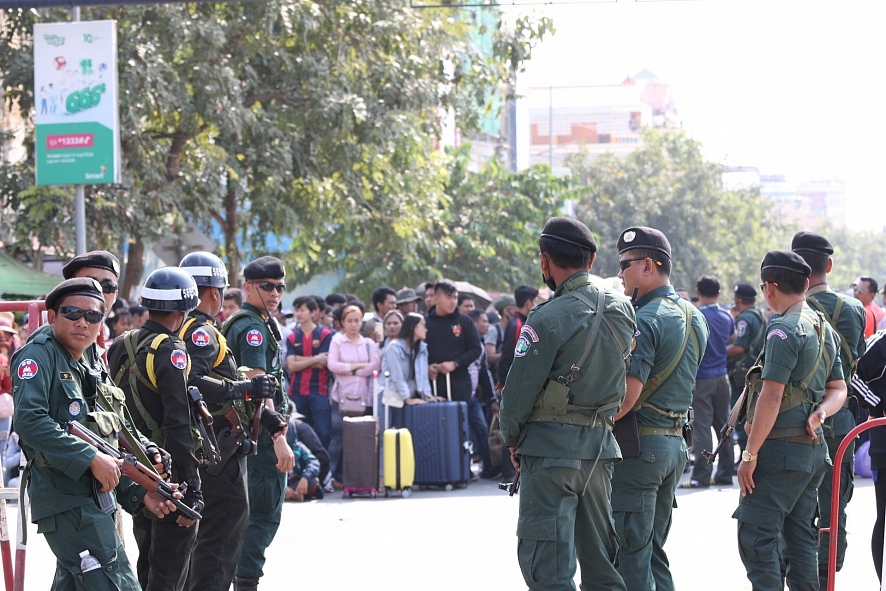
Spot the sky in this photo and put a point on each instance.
(790, 87)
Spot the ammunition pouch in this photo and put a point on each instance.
(553, 406)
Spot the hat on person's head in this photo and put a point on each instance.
(406, 295)
(789, 261)
(6, 326)
(645, 238)
(79, 286)
(265, 268)
(744, 290)
(503, 301)
(571, 231)
(811, 242)
(98, 259)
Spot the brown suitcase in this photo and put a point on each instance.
(359, 456)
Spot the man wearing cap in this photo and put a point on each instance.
(252, 338)
(800, 385)
(407, 301)
(524, 300)
(847, 317)
(671, 339)
(151, 366)
(566, 382)
(749, 325)
(55, 383)
(214, 372)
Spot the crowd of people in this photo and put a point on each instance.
(604, 400)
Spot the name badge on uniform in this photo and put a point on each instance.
(65, 376)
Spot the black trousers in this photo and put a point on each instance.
(164, 551)
(220, 536)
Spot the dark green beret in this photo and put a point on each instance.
(811, 242)
(264, 268)
(83, 286)
(745, 290)
(789, 261)
(571, 231)
(645, 238)
(97, 259)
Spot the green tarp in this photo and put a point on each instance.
(17, 279)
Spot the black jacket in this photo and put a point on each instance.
(453, 338)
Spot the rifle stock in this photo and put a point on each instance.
(735, 417)
(133, 469)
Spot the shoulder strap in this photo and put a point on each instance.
(756, 340)
(599, 310)
(832, 320)
(804, 383)
(226, 327)
(657, 380)
(135, 376)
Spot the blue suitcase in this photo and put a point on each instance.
(440, 439)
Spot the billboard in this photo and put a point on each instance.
(75, 99)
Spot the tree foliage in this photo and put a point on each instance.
(273, 122)
(667, 185)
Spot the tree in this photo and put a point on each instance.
(666, 184)
(276, 120)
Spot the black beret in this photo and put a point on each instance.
(645, 238)
(789, 261)
(264, 268)
(745, 290)
(570, 231)
(98, 259)
(85, 286)
(811, 242)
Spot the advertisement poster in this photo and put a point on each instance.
(75, 97)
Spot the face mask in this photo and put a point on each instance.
(549, 282)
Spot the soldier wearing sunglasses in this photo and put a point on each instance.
(54, 382)
(254, 339)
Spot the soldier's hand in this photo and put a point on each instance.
(285, 458)
(161, 459)
(158, 505)
(515, 459)
(194, 500)
(815, 422)
(262, 386)
(745, 474)
(106, 470)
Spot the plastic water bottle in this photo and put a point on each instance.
(88, 562)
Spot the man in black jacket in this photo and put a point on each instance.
(453, 343)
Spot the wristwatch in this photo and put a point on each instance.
(747, 456)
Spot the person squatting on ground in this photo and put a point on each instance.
(797, 386)
(565, 383)
(670, 342)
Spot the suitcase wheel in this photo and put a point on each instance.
(406, 493)
(345, 494)
(448, 487)
(373, 493)
(387, 492)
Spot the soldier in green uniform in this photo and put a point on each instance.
(846, 316)
(253, 338)
(742, 352)
(214, 372)
(54, 382)
(799, 384)
(670, 341)
(565, 384)
(151, 365)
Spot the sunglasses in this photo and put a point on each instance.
(74, 313)
(108, 286)
(763, 285)
(623, 265)
(268, 286)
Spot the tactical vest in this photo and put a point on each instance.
(130, 371)
(794, 392)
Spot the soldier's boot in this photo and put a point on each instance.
(244, 584)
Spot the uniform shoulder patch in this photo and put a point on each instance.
(522, 347)
(254, 338)
(741, 328)
(776, 333)
(74, 409)
(27, 369)
(179, 358)
(529, 332)
(200, 338)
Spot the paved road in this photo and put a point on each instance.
(465, 539)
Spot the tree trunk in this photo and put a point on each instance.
(135, 266)
(230, 226)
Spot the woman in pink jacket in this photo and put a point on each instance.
(352, 359)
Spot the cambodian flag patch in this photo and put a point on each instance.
(200, 338)
(27, 369)
(179, 359)
(254, 338)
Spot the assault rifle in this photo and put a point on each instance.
(134, 470)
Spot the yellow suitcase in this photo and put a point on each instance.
(399, 462)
